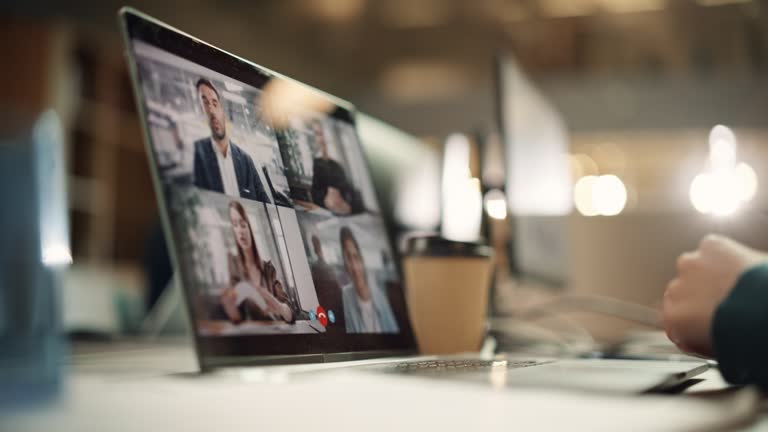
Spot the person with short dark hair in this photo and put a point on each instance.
(331, 188)
(220, 165)
(366, 307)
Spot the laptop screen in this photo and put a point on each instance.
(268, 204)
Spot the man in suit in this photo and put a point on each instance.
(220, 165)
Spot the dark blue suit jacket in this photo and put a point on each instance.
(208, 176)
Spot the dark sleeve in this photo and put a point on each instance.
(348, 191)
(356, 202)
(199, 168)
(739, 328)
(331, 174)
(319, 183)
(279, 198)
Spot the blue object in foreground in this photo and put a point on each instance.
(34, 242)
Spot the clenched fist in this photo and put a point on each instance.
(704, 279)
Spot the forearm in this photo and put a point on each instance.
(284, 307)
(739, 328)
(279, 305)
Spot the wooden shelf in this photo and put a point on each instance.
(112, 201)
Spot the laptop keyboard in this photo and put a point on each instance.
(448, 366)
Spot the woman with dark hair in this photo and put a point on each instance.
(366, 308)
(255, 292)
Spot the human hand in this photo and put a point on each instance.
(335, 202)
(704, 278)
(285, 312)
(276, 308)
(229, 304)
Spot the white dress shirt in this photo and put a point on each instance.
(368, 313)
(227, 170)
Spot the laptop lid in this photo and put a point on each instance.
(267, 203)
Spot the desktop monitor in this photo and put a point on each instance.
(406, 175)
(538, 179)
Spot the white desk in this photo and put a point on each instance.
(125, 393)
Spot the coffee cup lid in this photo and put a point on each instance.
(434, 245)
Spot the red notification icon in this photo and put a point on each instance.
(322, 317)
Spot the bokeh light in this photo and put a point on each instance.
(582, 195)
(727, 184)
(722, 148)
(609, 195)
(604, 195)
(747, 180)
(496, 204)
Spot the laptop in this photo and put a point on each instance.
(275, 230)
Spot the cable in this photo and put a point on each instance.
(527, 337)
(569, 337)
(567, 330)
(533, 337)
(597, 304)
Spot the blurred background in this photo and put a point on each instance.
(634, 87)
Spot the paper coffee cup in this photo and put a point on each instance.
(447, 288)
